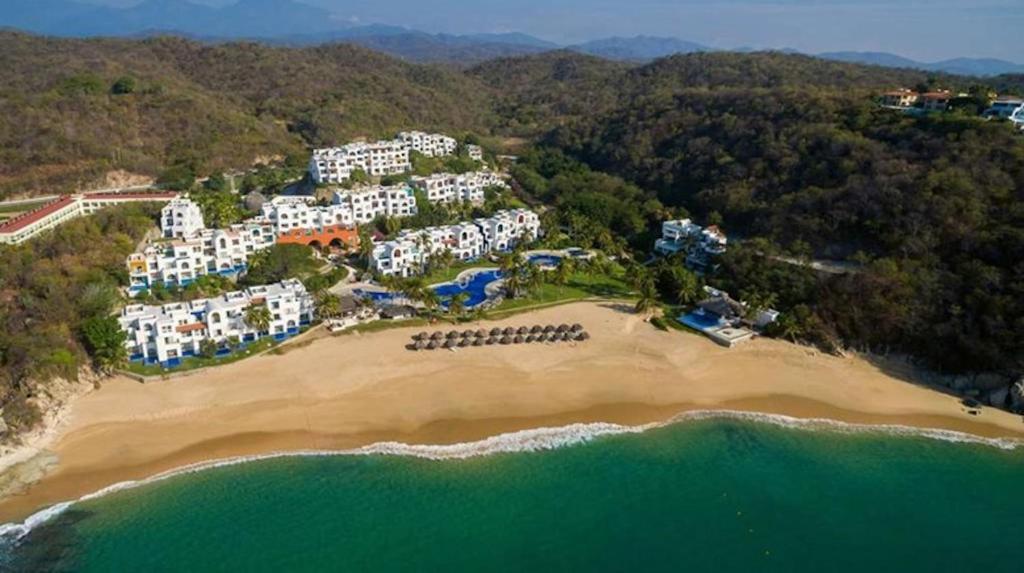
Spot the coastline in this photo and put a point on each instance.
(346, 392)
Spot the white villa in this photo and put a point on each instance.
(181, 218)
(65, 208)
(336, 164)
(454, 188)
(476, 153)
(167, 333)
(697, 242)
(429, 144)
(407, 254)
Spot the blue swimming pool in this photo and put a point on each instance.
(475, 288)
(700, 321)
(545, 260)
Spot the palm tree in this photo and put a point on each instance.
(507, 263)
(365, 245)
(258, 317)
(688, 286)
(430, 302)
(513, 284)
(457, 304)
(534, 278)
(648, 300)
(328, 305)
(445, 259)
(787, 326)
(564, 272)
(413, 288)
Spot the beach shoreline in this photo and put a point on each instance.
(350, 391)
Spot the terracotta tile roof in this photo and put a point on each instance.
(156, 195)
(26, 219)
(190, 327)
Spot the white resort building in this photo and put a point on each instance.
(369, 203)
(476, 153)
(23, 227)
(429, 144)
(180, 257)
(181, 218)
(170, 332)
(1011, 108)
(408, 253)
(336, 164)
(454, 188)
(505, 229)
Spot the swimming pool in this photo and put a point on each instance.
(700, 321)
(545, 260)
(475, 287)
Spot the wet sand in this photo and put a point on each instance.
(352, 390)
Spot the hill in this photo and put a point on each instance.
(210, 106)
(638, 48)
(962, 66)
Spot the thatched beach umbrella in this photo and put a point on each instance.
(420, 336)
(419, 345)
(536, 329)
(577, 327)
(464, 343)
(495, 331)
(432, 345)
(508, 331)
(522, 330)
(565, 336)
(583, 336)
(437, 335)
(467, 333)
(506, 340)
(450, 343)
(563, 327)
(531, 338)
(491, 340)
(478, 342)
(481, 333)
(549, 328)
(519, 339)
(453, 334)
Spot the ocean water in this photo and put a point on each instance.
(704, 495)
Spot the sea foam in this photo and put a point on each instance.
(532, 440)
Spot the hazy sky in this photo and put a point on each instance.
(920, 29)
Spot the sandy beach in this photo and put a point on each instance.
(339, 392)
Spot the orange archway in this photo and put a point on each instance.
(335, 235)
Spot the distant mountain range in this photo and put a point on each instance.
(291, 22)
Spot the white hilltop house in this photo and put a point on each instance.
(181, 218)
(167, 333)
(336, 164)
(182, 258)
(429, 144)
(407, 254)
(1010, 108)
(698, 243)
(454, 188)
(476, 153)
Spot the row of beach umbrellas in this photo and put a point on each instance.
(504, 336)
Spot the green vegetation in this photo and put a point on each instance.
(280, 262)
(57, 294)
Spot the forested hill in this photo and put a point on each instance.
(74, 109)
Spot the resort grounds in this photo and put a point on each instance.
(338, 392)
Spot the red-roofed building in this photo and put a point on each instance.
(27, 225)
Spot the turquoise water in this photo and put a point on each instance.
(721, 495)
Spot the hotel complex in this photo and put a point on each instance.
(170, 332)
(27, 225)
(408, 253)
(429, 144)
(455, 188)
(190, 250)
(385, 157)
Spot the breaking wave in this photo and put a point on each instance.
(532, 440)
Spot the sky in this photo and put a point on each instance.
(927, 30)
